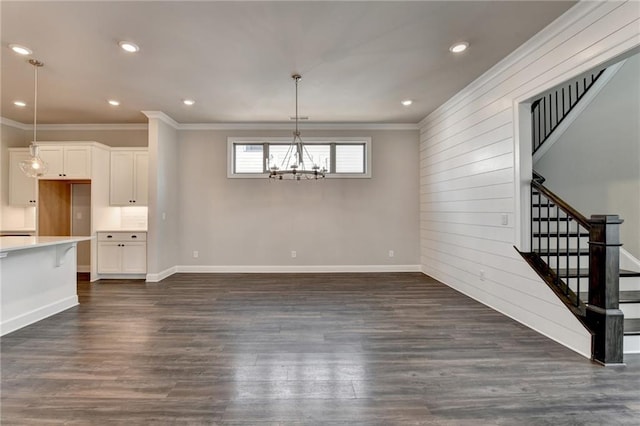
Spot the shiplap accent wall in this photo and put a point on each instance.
(471, 168)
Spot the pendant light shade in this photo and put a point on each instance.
(34, 166)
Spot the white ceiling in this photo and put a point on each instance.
(358, 60)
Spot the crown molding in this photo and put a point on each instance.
(305, 126)
(159, 115)
(15, 124)
(104, 126)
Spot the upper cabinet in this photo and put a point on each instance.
(22, 189)
(66, 161)
(129, 177)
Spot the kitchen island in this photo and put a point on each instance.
(37, 279)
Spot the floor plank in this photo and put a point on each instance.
(356, 349)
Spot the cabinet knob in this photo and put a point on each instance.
(109, 236)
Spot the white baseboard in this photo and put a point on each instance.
(38, 314)
(154, 278)
(266, 269)
(119, 277)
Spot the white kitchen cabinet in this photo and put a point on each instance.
(66, 161)
(109, 258)
(129, 178)
(134, 258)
(122, 252)
(22, 189)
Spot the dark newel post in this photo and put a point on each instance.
(603, 312)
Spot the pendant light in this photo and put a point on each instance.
(34, 166)
(293, 164)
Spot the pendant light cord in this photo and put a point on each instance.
(35, 103)
(297, 78)
(36, 64)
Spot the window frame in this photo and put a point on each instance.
(332, 141)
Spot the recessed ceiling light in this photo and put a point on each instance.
(188, 102)
(407, 102)
(113, 102)
(129, 47)
(459, 47)
(20, 50)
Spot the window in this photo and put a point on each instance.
(343, 158)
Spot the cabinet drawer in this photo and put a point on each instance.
(122, 236)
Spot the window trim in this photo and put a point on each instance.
(366, 141)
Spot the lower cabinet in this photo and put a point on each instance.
(122, 252)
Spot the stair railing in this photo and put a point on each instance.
(562, 243)
(550, 110)
(599, 311)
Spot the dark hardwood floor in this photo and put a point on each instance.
(356, 349)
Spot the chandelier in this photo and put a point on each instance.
(297, 163)
(34, 166)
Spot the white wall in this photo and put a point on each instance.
(595, 165)
(470, 168)
(334, 224)
(162, 236)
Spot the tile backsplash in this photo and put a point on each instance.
(133, 218)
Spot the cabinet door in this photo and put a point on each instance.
(141, 178)
(121, 190)
(77, 162)
(22, 189)
(109, 258)
(54, 157)
(134, 258)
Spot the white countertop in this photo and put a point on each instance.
(21, 243)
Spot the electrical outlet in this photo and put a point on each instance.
(164, 217)
(505, 219)
(195, 254)
(294, 254)
(79, 215)
(482, 276)
(391, 253)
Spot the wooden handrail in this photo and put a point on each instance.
(583, 221)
